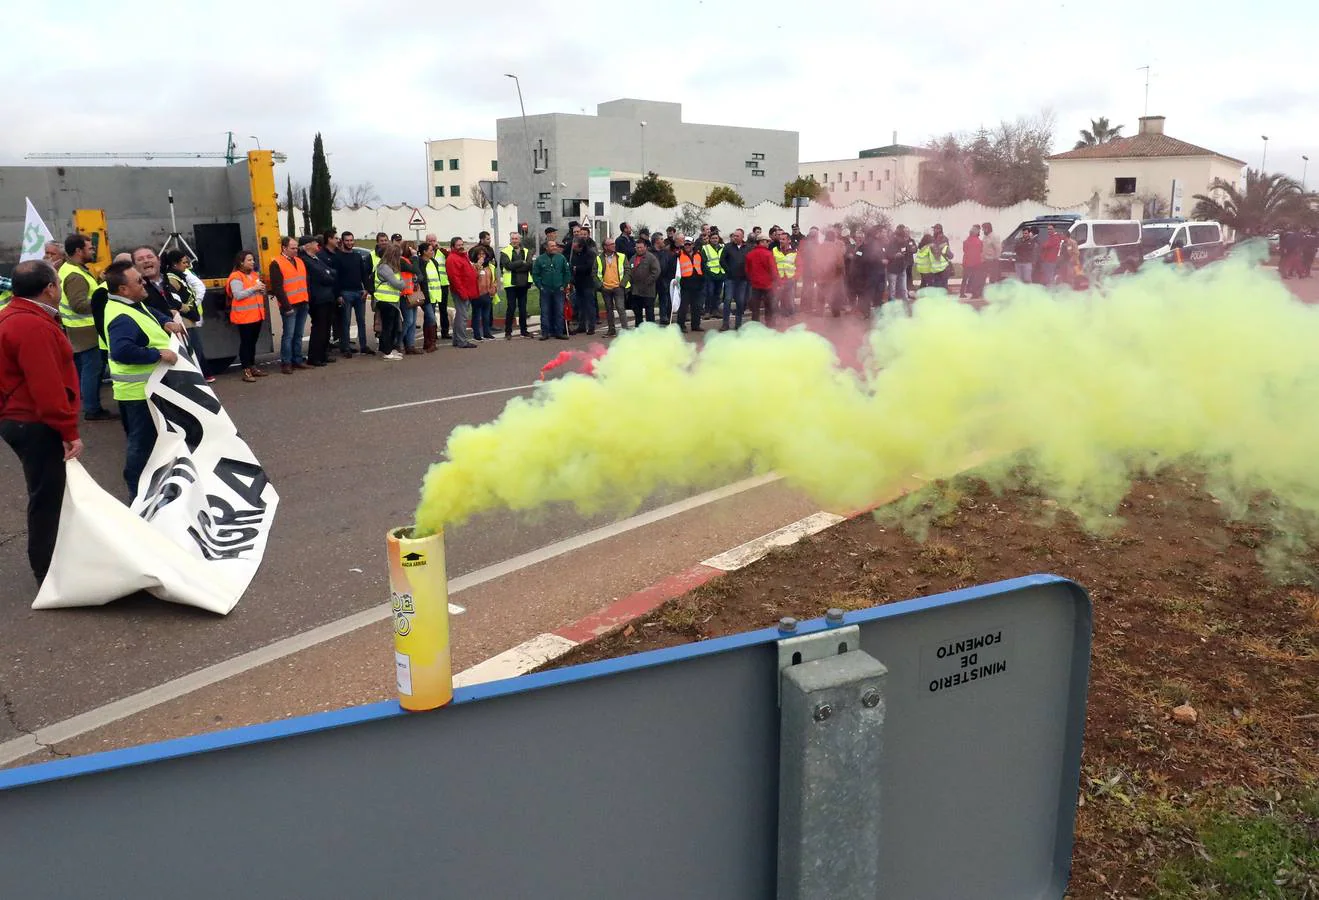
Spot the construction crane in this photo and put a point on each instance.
(230, 155)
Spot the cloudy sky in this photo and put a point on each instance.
(845, 75)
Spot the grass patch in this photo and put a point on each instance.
(1271, 852)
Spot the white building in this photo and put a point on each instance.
(1138, 172)
(884, 176)
(455, 165)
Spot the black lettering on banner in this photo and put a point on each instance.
(166, 485)
(222, 532)
(192, 385)
(180, 420)
(247, 480)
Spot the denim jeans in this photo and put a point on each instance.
(428, 315)
(897, 285)
(1024, 272)
(735, 294)
(354, 302)
(1049, 272)
(140, 433)
(714, 291)
(585, 307)
(290, 344)
(409, 324)
(88, 364)
(551, 313)
(483, 317)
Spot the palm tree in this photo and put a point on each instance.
(1267, 201)
(1099, 132)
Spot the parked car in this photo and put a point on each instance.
(1178, 241)
(1007, 257)
(1107, 246)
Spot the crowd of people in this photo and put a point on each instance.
(1297, 248)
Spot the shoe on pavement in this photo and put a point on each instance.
(285, 369)
(100, 415)
(561, 337)
(301, 365)
(259, 372)
(543, 337)
(367, 351)
(248, 376)
(470, 345)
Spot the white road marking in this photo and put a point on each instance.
(746, 554)
(506, 390)
(516, 660)
(57, 732)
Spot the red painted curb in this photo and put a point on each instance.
(636, 605)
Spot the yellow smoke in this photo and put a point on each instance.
(1215, 370)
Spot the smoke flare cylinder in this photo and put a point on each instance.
(419, 595)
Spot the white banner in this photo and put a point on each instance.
(35, 235)
(197, 529)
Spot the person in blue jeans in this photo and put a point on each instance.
(551, 275)
(288, 285)
(353, 281)
(77, 285)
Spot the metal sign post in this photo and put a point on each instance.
(922, 750)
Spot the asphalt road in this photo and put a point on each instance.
(344, 477)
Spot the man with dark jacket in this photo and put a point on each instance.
(39, 412)
(644, 282)
(584, 305)
(691, 284)
(901, 253)
(625, 243)
(517, 278)
(733, 259)
(352, 283)
(160, 296)
(321, 299)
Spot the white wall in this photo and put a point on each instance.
(956, 220)
(1078, 180)
(446, 221)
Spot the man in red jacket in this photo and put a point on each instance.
(38, 401)
(462, 287)
(762, 275)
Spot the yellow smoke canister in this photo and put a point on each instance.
(419, 595)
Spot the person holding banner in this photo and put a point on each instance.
(38, 401)
(138, 336)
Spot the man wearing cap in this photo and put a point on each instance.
(691, 282)
(321, 301)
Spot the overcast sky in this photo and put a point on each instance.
(844, 75)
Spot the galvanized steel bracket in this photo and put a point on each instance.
(794, 651)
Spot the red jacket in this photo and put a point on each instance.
(38, 382)
(462, 276)
(1050, 248)
(973, 251)
(762, 268)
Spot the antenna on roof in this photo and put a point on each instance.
(1146, 68)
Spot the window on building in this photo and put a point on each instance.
(439, 165)
(571, 209)
(854, 176)
(544, 195)
(847, 186)
(599, 210)
(757, 156)
(545, 217)
(758, 173)
(752, 164)
(840, 177)
(1124, 186)
(494, 165)
(886, 174)
(439, 190)
(454, 190)
(870, 176)
(453, 165)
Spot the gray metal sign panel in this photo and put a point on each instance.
(651, 776)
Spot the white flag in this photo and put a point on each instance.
(35, 235)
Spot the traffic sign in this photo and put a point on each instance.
(417, 220)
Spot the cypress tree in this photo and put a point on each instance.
(321, 201)
(288, 205)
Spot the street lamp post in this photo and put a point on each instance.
(643, 149)
(494, 228)
(1305, 170)
(526, 137)
(1265, 160)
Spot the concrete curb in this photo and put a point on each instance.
(543, 648)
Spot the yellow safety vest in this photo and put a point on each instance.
(927, 262)
(435, 279)
(712, 264)
(130, 381)
(70, 318)
(787, 263)
(385, 292)
(600, 266)
(507, 253)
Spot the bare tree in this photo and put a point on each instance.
(478, 197)
(355, 196)
(298, 188)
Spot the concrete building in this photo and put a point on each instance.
(453, 166)
(548, 159)
(1138, 172)
(884, 176)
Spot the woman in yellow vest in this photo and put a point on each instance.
(247, 310)
(483, 307)
(786, 258)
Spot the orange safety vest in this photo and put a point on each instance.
(250, 309)
(408, 279)
(295, 279)
(689, 265)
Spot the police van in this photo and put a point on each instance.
(1107, 246)
(1179, 241)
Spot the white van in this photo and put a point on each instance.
(1108, 246)
(1180, 241)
